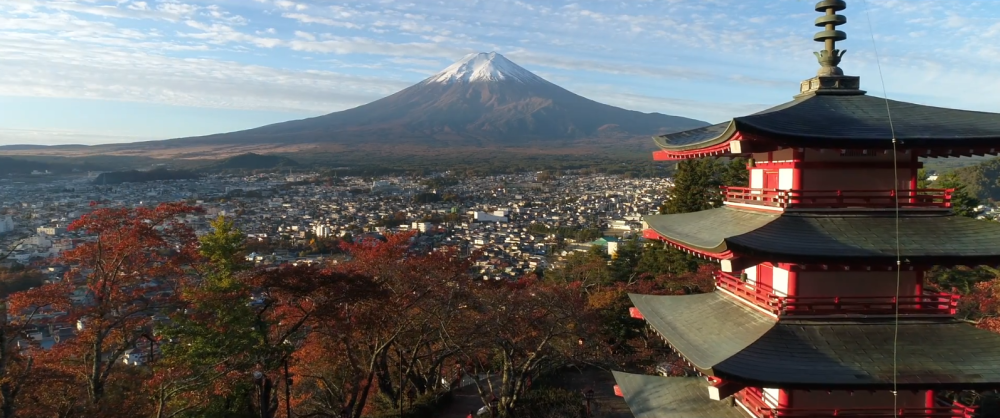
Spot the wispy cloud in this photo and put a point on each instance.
(696, 58)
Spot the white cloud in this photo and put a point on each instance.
(304, 18)
(358, 45)
(305, 35)
(697, 58)
(40, 66)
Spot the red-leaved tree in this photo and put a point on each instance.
(129, 271)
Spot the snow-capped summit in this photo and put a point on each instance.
(483, 67)
(484, 100)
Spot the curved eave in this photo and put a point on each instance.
(844, 122)
(696, 143)
(719, 252)
(722, 337)
(704, 232)
(830, 238)
(707, 328)
(924, 147)
(831, 354)
(924, 239)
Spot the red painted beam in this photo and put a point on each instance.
(634, 313)
(618, 392)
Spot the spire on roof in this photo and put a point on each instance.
(829, 57)
(830, 79)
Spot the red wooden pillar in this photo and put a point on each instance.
(913, 176)
(784, 401)
(918, 289)
(929, 403)
(796, 174)
(793, 281)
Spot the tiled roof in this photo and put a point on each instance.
(707, 230)
(929, 353)
(695, 138)
(673, 397)
(814, 237)
(722, 337)
(851, 121)
(692, 325)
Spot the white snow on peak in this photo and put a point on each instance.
(483, 67)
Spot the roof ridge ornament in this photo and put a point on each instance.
(830, 79)
(829, 58)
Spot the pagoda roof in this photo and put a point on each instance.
(936, 238)
(675, 397)
(823, 354)
(847, 121)
(689, 324)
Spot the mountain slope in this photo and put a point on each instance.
(252, 161)
(479, 107)
(483, 97)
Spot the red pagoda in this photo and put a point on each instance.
(820, 308)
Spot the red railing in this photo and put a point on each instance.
(757, 294)
(919, 198)
(753, 399)
(929, 303)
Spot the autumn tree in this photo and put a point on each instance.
(523, 330)
(627, 341)
(130, 270)
(393, 345)
(237, 338)
(16, 367)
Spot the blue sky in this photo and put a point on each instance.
(99, 71)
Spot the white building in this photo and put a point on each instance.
(323, 231)
(422, 226)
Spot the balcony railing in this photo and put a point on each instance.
(928, 303)
(760, 295)
(753, 400)
(919, 198)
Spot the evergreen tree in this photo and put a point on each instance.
(217, 324)
(962, 202)
(697, 184)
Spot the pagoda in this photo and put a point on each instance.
(820, 308)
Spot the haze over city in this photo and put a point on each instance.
(91, 72)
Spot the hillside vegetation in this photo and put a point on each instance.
(252, 161)
(981, 180)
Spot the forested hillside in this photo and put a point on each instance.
(981, 180)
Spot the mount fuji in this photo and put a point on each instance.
(482, 101)
(483, 97)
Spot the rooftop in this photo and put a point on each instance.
(924, 238)
(751, 347)
(831, 111)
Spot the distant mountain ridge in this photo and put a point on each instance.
(483, 101)
(484, 98)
